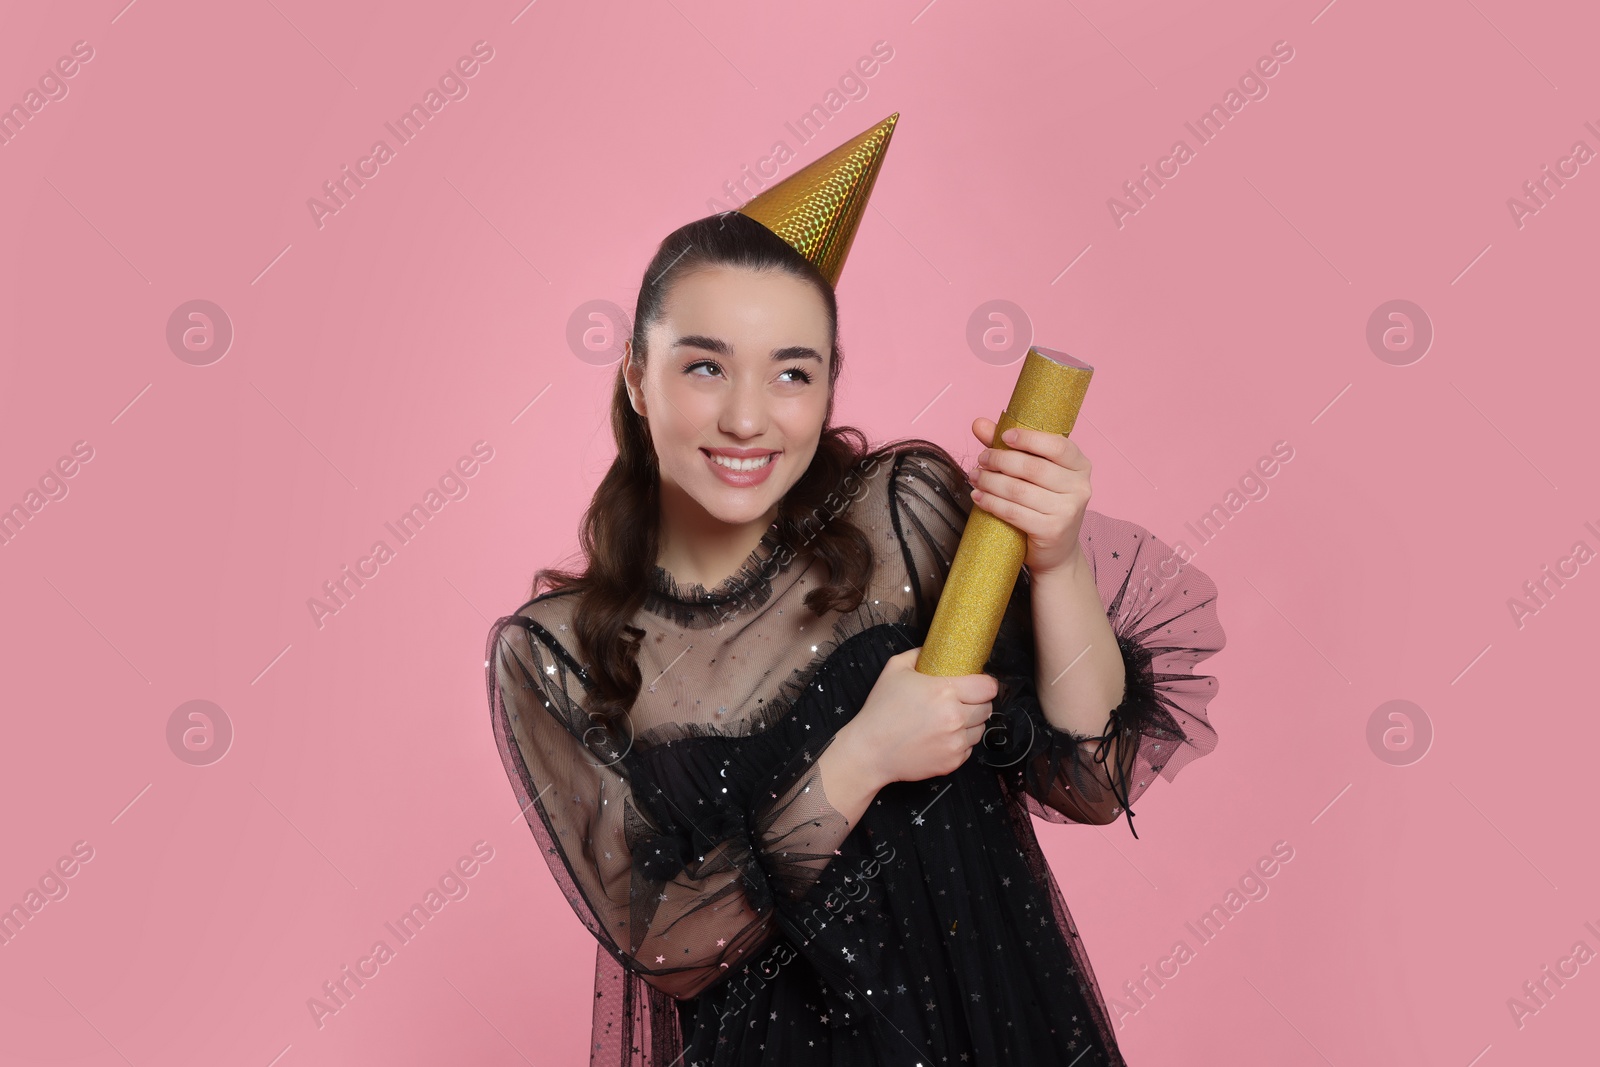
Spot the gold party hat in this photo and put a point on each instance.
(817, 208)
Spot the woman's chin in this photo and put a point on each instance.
(740, 506)
(743, 514)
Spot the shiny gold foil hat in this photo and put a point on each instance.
(818, 208)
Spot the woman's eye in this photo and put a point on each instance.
(803, 375)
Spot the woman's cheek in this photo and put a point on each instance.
(688, 410)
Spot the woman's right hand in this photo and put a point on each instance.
(915, 726)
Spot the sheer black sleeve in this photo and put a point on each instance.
(1163, 613)
(677, 901)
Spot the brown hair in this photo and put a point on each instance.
(619, 536)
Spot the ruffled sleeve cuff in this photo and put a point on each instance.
(1076, 777)
(778, 833)
(795, 828)
(722, 842)
(1162, 629)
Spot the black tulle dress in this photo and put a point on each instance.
(739, 919)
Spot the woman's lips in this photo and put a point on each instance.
(742, 479)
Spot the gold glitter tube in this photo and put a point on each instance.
(1048, 394)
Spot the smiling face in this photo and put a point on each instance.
(736, 373)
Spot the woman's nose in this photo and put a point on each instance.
(745, 413)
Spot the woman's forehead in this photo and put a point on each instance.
(745, 307)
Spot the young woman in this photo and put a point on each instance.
(792, 847)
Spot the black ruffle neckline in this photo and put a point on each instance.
(694, 605)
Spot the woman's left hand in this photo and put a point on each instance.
(1040, 485)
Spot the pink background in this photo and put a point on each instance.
(1228, 314)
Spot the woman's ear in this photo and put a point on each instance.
(633, 377)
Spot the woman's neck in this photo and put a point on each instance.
(698, 548)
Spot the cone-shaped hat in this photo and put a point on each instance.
(817, 209)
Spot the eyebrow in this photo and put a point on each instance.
(723, 348)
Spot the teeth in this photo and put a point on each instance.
(741, 464)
